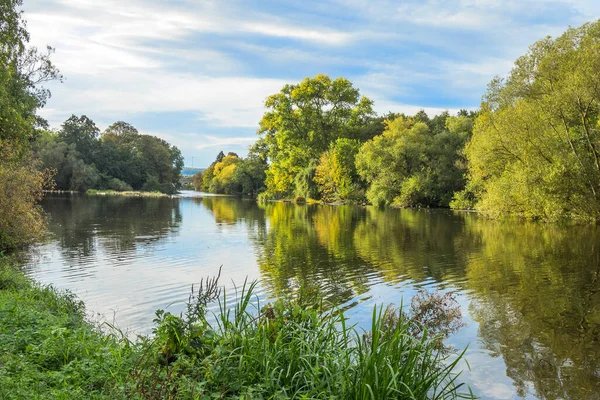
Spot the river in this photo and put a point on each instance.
(529, 293)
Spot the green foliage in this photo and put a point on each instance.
(23, 70)
(415, 164)
(291, 349)
(336, 173)
(302, 120)
(304, 182)
(230, 174)
(534, 151)
(21, 219)
(48, 350)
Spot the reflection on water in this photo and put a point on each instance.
(530, 293)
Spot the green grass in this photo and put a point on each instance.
(290, 349)
(48, 350)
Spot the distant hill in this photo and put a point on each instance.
(187, 171)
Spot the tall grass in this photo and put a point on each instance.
(293, 350)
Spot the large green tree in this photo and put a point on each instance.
(535, 151)
(303, 119)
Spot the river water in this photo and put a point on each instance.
(529, 293)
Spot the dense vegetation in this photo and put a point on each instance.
(410, 161)
(120, 158)
(290, 349)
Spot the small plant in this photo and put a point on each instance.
(299, 200)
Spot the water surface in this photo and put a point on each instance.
(530, 293)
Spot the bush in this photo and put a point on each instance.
(117, 184)
(264, 197)
(21, 219)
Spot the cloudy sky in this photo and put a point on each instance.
(196, 72)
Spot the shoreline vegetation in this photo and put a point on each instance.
(293, 348)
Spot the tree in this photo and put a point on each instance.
(121, 159)
(23, 72)
(197, 181)
(120, 128)
(390, 161)
(83, 133)
(336, 173)
(250, 175)
(223, 171)
(303, 119)
(535, 150)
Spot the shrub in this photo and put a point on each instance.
(21, 219)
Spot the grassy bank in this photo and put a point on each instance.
(48, 350)
(94, 192)
(287, 350)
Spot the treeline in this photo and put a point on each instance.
(321, 140)
(120, 158)
(532, 150)
(230, 174)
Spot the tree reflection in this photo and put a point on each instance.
(538, 304)
(416, 245)
(117, 224)
(306, 246)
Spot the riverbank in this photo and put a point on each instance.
(287, 350)
(48, 350)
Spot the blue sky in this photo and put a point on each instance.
(196, 73)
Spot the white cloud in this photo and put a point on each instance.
(227, 101)
(328, 37)
(213, 141)
(219, 60)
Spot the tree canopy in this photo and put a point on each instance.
(230, 174)
(303, 119)
(413, 163)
